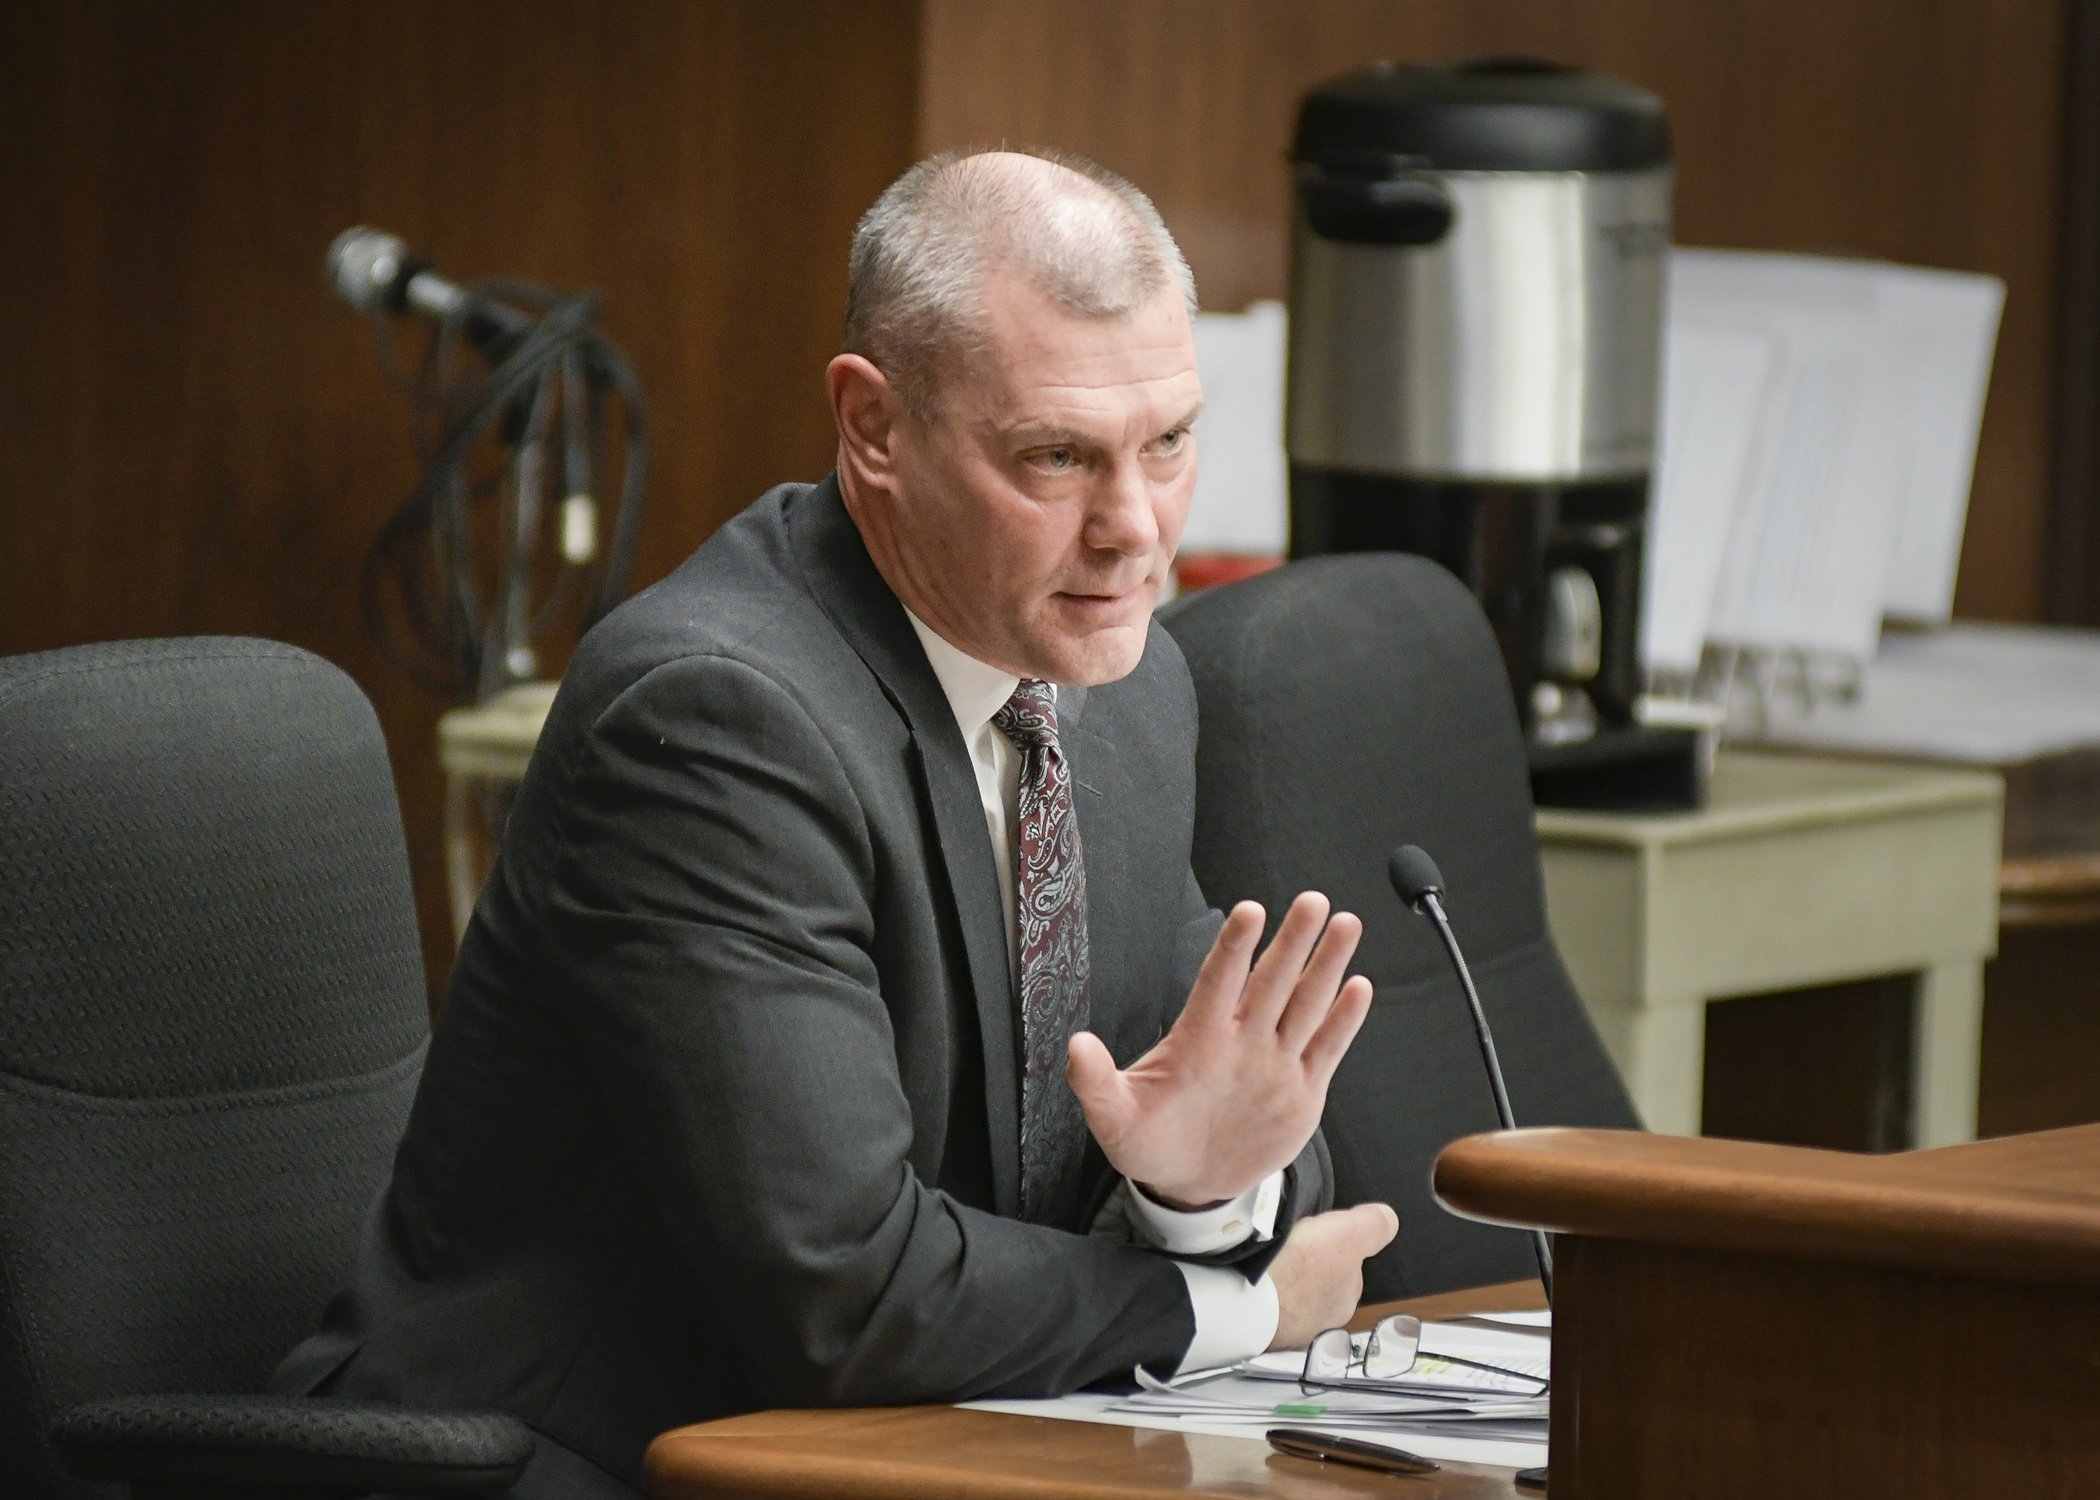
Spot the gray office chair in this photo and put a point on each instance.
(1350, 704)
(212, 1018)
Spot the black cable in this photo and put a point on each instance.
(421, 587)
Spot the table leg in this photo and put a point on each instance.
(1948, 1047)
(1661, 1052)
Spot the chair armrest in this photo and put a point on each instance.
(293, 1442)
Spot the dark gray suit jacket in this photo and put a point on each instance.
(721, 1111)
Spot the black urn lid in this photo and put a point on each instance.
(1493, 114)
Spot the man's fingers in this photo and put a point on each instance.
(1274, 975)
(1224, 973)
(1314, 995)
(1325, 1049)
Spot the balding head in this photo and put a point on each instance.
(1086, 239)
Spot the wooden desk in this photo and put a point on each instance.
(2041, 1015)
(1800, 871)
(1738, 1320)
(944, 1453)
(2040, 1063)
(2051, 874)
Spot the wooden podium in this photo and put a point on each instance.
(1737, 1320)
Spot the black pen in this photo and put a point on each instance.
(1300, 1443)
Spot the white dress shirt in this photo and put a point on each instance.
(1235, 1318)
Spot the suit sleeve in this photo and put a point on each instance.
(710, 921)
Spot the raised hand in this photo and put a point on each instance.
(1235, 1089)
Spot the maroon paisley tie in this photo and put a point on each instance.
(1050, 895)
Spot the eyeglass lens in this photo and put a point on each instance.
(1390, 1351)
(1329, 1356)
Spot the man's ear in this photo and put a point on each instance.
(866, 410)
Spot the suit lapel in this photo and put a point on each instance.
(846, 585)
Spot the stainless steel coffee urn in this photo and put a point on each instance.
(1477, 281)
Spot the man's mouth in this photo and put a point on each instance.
(1103, 599)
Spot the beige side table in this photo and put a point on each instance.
(484, 750)
(1800, 871)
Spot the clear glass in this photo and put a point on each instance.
(1390, 1351)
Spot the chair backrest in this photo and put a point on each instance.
(1351, 704)
(212, 1016)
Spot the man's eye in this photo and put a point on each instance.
(1060, 458)
(1171, 439)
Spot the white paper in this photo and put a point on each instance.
(1459, 1403)
(1241, 504)
(1520, 1350)
(1984, 694)
(1854, 491)
(1713, 388)
(1808, 553)
(1091, 1406)
(1953, 316)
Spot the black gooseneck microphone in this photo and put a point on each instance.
(1419, 883)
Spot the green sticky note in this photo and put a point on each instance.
(1298, 1409)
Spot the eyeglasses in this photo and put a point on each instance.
(1389, 1352)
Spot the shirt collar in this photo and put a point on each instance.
(975, 691)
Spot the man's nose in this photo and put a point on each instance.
(1121, 518)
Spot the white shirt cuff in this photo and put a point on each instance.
(1206, 1231)
(1235, 1317)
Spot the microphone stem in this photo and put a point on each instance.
(1540, 1250)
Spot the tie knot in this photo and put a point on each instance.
(1029, 717)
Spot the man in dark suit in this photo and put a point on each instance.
(751, 1088)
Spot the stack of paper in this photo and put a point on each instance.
(1818, 436)
(1714, 381)
(1439, 1409)
(1988, 694)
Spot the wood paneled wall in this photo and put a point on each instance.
(1923, 133)
(195, 439)
(2074, 533)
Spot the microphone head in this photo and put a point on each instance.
(363, 265)
(1414, 875)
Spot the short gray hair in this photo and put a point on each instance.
(1083, 236)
